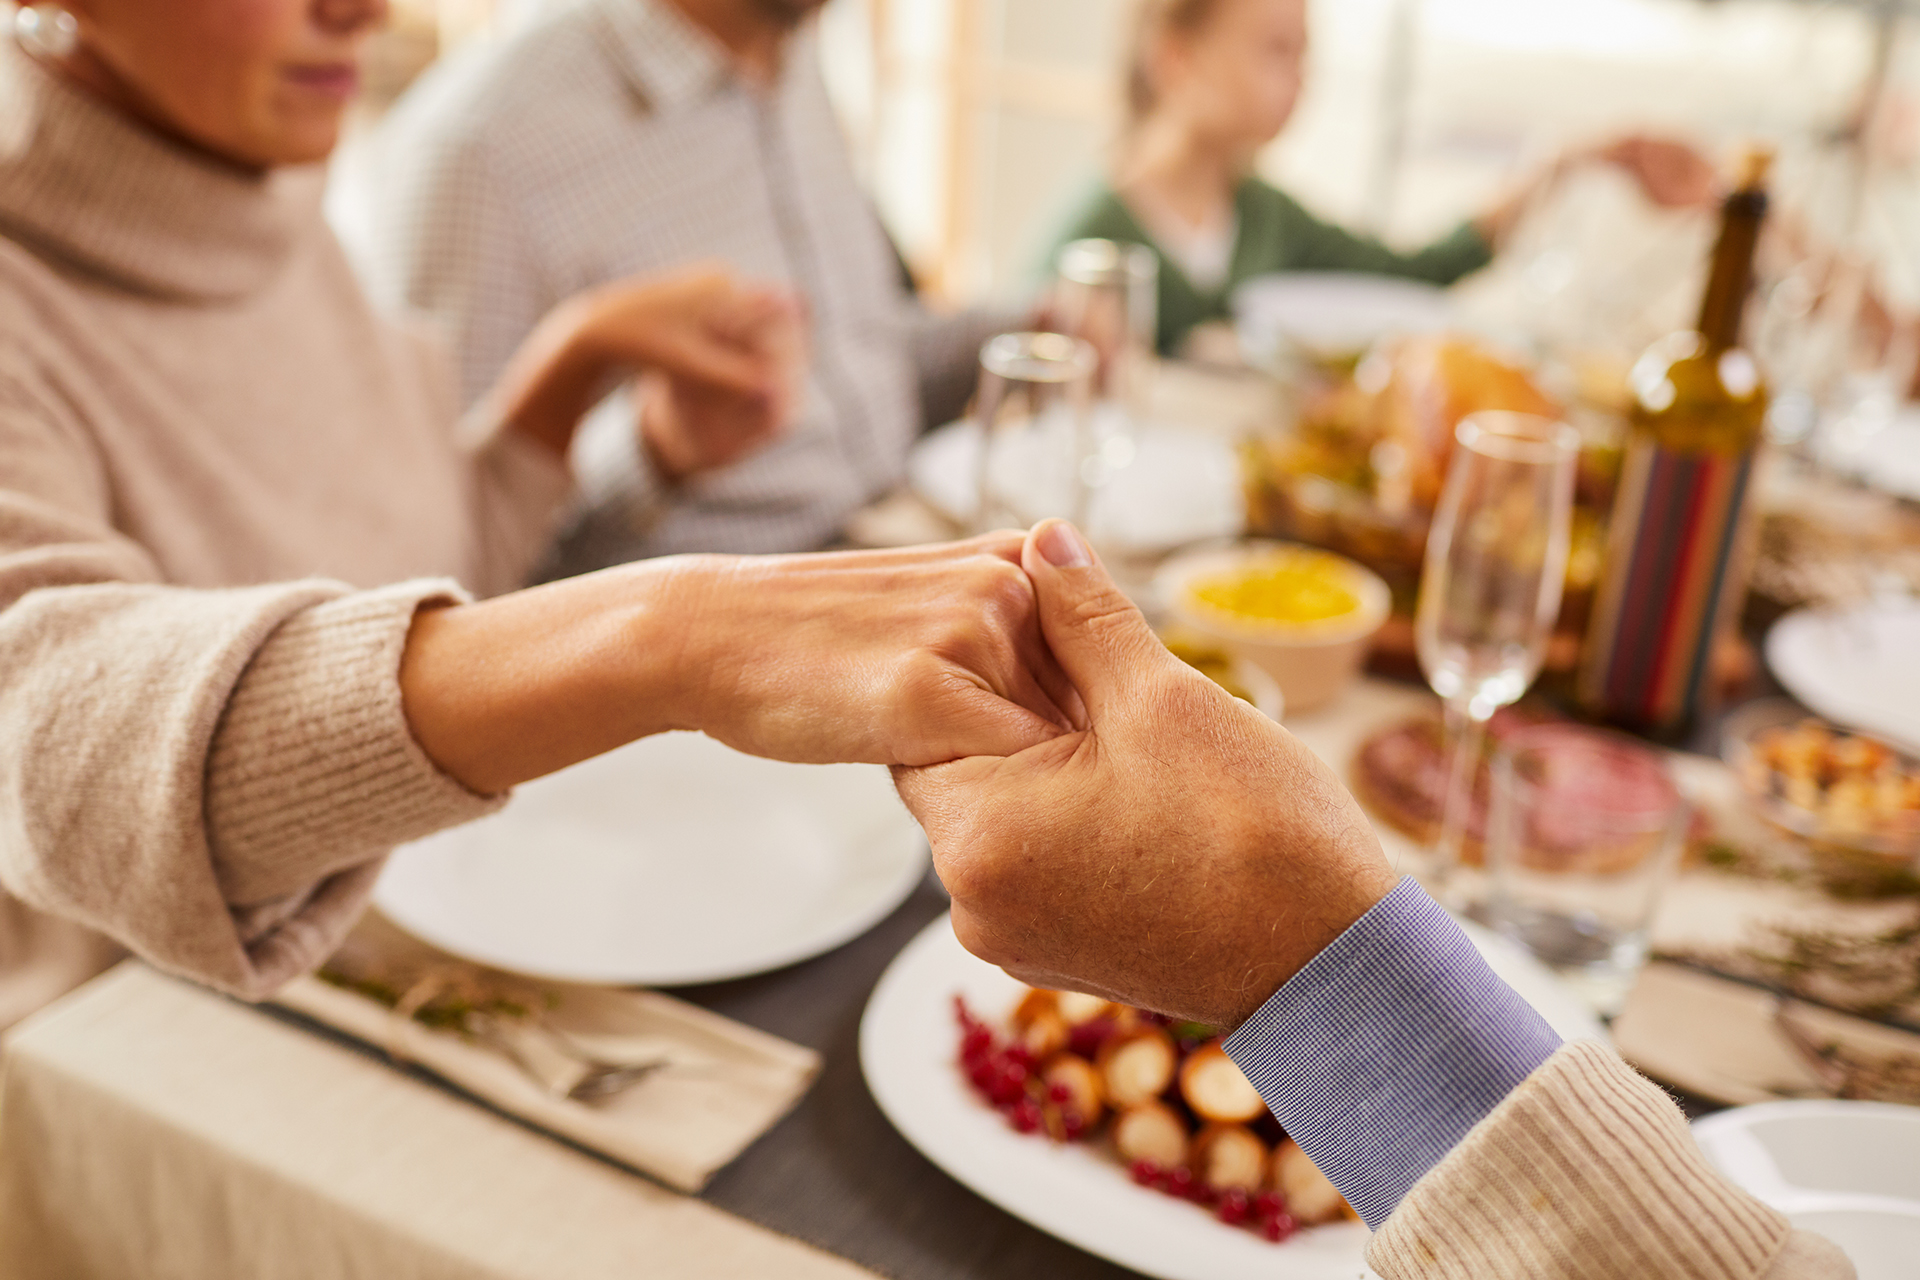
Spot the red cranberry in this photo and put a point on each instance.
(1233, 1206)
(1278, 1227)
(1145, 1172)
(1269, 1204)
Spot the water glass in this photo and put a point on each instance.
(1496, 562)
(1584, 830)
(1034, 411)
(1108, 293)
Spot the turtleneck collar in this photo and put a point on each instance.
(85, 186)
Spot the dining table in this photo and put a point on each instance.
(327, 1157)
(151, 1127)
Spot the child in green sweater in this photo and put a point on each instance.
(1210, 83)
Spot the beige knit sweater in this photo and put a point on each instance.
(1588, 1172)
(215, 461)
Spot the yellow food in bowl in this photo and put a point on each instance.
(1298, 588)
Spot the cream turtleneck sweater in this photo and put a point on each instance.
(215, 464)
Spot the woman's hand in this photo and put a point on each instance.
(1670, 173)
(1182, 852)
(891, 657)
(726, 361)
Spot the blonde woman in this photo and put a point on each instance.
(1212, 82)
(240, 534)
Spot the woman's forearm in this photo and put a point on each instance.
(515, 687)
(890, 657)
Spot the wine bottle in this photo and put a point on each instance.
(1678, 545)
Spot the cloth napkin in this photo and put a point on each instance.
(521, 1044)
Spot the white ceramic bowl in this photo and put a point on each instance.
(1312, 662)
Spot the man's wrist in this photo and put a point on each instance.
(1390, 1044)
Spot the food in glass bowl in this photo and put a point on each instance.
(1302, 615)
(1839, 791)
(1360, 469)
(1161, 1098)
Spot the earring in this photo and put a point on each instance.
(46, 30)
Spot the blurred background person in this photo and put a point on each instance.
(621, 136)
(1209, 84)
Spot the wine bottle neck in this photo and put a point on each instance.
(1732, 274)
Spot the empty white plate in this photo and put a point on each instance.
(908, 1046)
(672, 860)
(1169, 487)
(1335, 313)
(1847, 1170)
(1858, 666)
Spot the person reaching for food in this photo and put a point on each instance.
(1209, 84)
(241, 528)
(1182, 853)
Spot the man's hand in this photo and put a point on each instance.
(1178, 851)
(727, 358)
(690, 423)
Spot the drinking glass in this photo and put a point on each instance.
(1583, 831)
(1033, 410)
(1490, 591)
(1108, 293)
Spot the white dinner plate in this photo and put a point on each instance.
(1335, 313)
(908, 1042)
(1172, 487)
(669, 861)
(1858, 666)
(1847, 1170)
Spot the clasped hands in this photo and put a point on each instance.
(1157, 841)
(1105, 817)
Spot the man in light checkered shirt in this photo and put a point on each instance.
(614, 137)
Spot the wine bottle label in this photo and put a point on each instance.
(1672, 558)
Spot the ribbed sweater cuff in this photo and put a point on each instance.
(313, 768)
(1586, 1172)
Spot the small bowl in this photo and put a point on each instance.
(1896, 839)
(1312, 662)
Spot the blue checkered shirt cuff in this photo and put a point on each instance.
(1381, 1053)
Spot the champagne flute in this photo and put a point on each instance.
(1033, 410)
(1490, 591)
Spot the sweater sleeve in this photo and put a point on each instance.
(1588, 1171)
(1278, 233)
(211, 777)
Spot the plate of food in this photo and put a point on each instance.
(672, 860)
(1125, 1135)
